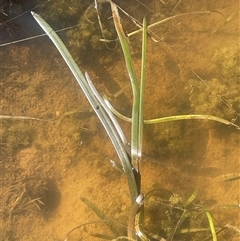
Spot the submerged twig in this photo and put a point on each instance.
(166, 20)
(20, 117)
(229, 179)
(60, 117)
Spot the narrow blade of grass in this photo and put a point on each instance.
(211, 224)
(173, 118)
(184, 215)
(133, 79)
(102, 115)
(100, 214)
(168, 19)
(142, 88)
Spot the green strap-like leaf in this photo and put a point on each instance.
(167, 19)
(142, 88)
(211, 224)
(96, 105)
(173, 118)
(100, 214)
(133, 79)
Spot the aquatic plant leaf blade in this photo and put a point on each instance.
(133, 79)
(175, 118)
(100, 214)
(211, 224)
(106, 122)
(142, 88)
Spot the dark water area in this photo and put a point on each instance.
(17, 23)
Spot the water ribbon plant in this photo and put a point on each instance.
(104, 111)
(97, 107)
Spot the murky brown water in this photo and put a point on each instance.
(47, 166)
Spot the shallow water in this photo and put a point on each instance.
(47, 166)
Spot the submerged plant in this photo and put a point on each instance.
(129, 161)
(18, 135)
(220, 95)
